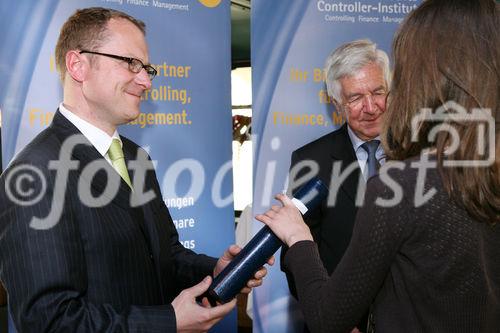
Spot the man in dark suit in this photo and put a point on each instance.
(87, 244)
(357, 79)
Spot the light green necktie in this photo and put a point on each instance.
(117, 158)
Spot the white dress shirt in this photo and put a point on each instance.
(97, 137)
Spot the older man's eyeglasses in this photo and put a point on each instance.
(134, 65)
(356, 101)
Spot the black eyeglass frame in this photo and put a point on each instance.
(133, 63)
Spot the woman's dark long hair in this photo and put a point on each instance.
(447, 55)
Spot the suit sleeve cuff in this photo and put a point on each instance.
(152, 319)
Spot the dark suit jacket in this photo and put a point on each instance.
(112, 268)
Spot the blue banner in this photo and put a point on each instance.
(290, 43)
(185, 123)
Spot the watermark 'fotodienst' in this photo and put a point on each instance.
(26, 184)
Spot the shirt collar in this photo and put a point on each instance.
(356, 141)
(97, 137)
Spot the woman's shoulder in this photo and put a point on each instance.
(418, 171)
(405, 186)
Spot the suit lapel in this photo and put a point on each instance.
(343, 151)
(155, 246)
(146, 214)
(86, 154)
(143, 215)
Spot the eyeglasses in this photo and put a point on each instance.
(378, 96)
(134, 65)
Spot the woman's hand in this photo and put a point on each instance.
(286, 222)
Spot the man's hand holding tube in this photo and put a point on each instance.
(194, 317)
(286, 222)
(226, 258)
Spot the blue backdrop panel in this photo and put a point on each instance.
(186, 123)
(290, 43)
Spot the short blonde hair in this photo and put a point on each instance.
(86, 29)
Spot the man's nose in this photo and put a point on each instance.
(369, 104)
(143, 79)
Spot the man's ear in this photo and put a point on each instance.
(77, 65)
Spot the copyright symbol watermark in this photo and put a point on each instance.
(19, 185)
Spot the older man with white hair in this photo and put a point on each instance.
(357, 80)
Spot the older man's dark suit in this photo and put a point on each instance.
(331, 227)
(109, 269)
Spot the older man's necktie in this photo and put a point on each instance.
(372, 163)
(117, 158)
